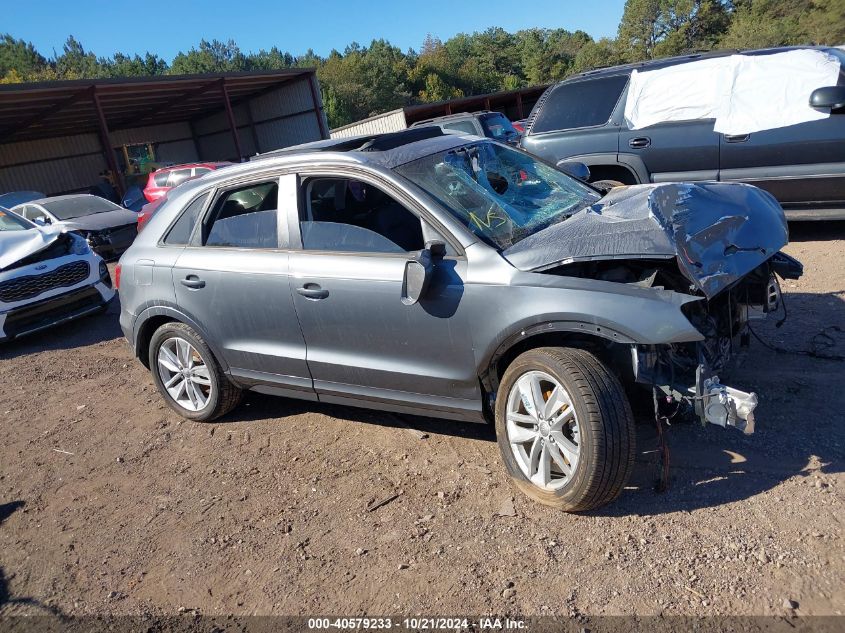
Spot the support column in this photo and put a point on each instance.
(519, 111)
(195, 139)
(248, 106)
(231, 116)
(312, 80)
(105, 141)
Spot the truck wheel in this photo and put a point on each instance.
(565, 428)
(606, 185)
(188, 376)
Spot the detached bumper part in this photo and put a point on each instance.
(725, 406)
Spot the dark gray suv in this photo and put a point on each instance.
(460, 278)
(803, 165)
(493, 125)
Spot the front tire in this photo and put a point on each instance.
(188, 376)
(565, 428)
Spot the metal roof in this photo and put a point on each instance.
(58, 108)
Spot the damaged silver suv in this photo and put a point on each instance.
(460, 278)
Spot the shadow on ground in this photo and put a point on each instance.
(88, 330)
(816, 231)
(7, 602)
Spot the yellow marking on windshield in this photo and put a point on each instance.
(488, 222)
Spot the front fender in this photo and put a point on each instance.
(617, 312)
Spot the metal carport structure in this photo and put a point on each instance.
(58, 136)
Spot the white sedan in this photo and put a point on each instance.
(47, 276)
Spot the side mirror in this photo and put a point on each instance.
(437, 249)
(417, 276)
(832, 97)
(43, 220)
(577, 170)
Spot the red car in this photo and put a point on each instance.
(164, 179)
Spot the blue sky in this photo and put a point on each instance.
(168, 26)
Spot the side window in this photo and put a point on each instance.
(580, 104)
(199, 171)
(180, 232)
(161, 179)
(245, 217)
(462, 126)
(349, 215)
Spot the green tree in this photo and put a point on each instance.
(77, 63)
(659, 28)
(761, 23)
(21, 57)
(211, 57)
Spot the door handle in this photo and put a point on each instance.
(313, 292)
(192, 281)
(639, 142)
(736, 138)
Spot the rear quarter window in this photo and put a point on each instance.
(180, 232)
(580, 104)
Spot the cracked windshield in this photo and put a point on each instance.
(500, 194)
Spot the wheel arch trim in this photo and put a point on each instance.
(175, 314)
(487, 372)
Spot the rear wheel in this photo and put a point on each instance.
(188, 376)
(565, 428)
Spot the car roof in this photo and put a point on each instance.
(453, 117)
(654, 64)
(215, 164)
(69, 196)
(388, 151)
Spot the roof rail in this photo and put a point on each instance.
(392, 140)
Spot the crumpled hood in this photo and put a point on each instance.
(100, 221)
(718, 232)
(15, 245)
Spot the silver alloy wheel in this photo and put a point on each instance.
(542, 429)
(184, 374)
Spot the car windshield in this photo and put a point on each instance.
(11, 222)
(69, 208)
(499, 193)
(499, 127)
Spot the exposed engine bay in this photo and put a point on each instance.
(688, 373)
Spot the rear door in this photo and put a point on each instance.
(232, 279)
(675, 151)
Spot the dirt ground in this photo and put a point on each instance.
(112, 504)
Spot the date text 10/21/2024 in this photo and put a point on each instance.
(418, 624)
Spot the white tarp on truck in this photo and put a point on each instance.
(743, 93)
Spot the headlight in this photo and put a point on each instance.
(79, 245)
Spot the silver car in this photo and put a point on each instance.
(107, 227)
(457, 277)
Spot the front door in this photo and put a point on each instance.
(364, 346)
(803, 165)
(233, 280)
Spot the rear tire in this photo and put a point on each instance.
(595, 442)
(197, 388)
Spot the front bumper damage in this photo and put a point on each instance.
(710, 400)
(688, 373)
